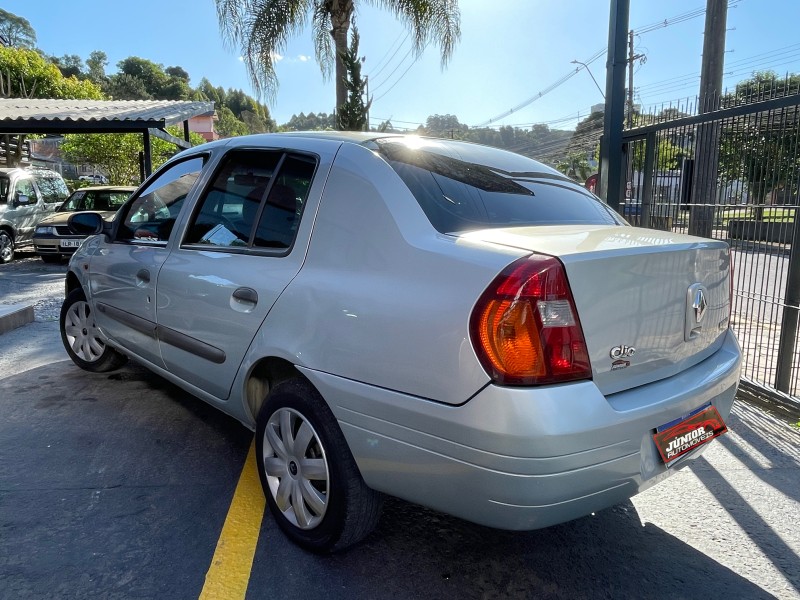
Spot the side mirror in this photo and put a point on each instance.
(22, 200)
(85, 223)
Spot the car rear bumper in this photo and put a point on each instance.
(523, 458)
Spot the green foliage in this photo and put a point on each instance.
(228, 125)
(122, 86)
(70, 65)
(117, 154)
(575, 166)
(16, 31)
(310, 122)
(27, 74)
(352, 115)
(762, 152)
(96, 63)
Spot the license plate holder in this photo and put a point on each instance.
(675, 439)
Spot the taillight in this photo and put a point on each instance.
(525, 328)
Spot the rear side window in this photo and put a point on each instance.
(255, 200)
(463, 187)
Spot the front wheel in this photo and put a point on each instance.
(311, 481)
(6, 247)
(81, 338)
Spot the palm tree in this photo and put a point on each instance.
(262, 28)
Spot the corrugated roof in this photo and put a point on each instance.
(145, 113)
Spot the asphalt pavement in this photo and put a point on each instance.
(117, 485)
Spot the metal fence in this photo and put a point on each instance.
(734, 174)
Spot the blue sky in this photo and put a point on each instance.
(507, 54)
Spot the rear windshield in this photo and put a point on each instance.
(462, 187)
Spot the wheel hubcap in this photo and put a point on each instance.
(82, 334)
(5, 247)
(296, 468)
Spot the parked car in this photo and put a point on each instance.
(448, 323)
(26, 197)
(53, 239)
(100, 179)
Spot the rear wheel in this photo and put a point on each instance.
(6, 247)
(311, 481)
(81, 338)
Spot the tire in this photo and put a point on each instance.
(81, 338)
(314, 490)
(6, 247)
(49, 258)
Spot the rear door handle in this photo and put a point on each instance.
(143, 275)
(245, 294)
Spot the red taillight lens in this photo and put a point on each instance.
(525, 327)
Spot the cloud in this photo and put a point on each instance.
(241, 59)
(276, 57)
(303, 58)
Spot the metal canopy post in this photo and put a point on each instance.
(148, 151)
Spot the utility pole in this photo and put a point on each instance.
(631, 57)
(611, 169)
(706, 156)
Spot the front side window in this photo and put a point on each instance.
(254, 201)
(151, 216)
(25, 188)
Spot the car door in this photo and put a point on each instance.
(237, 256)
(25, 209)
(125, 267)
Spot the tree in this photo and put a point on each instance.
(16, 31)
(178, 72)
(352, 115)
(228, 125)
(96, 63)
(70, 65)
(152, 75)
(260, 29)
(122, 86)
(310, 122)
(117, 154)
(26, 74)
(761, 150)
(445, 126)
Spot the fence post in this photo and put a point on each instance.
(647, 185)
(791, 312)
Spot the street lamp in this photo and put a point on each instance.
(577, 62)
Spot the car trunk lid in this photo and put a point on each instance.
(651, 303)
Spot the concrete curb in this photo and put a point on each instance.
(14, 315)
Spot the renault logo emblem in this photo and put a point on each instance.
(699, 304)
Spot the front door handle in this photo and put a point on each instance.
(143, 275)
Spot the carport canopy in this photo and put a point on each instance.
(149, 117)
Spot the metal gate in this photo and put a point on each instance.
(733, 174)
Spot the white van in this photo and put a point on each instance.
(26, 197)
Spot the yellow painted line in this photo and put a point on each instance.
(229, 573)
